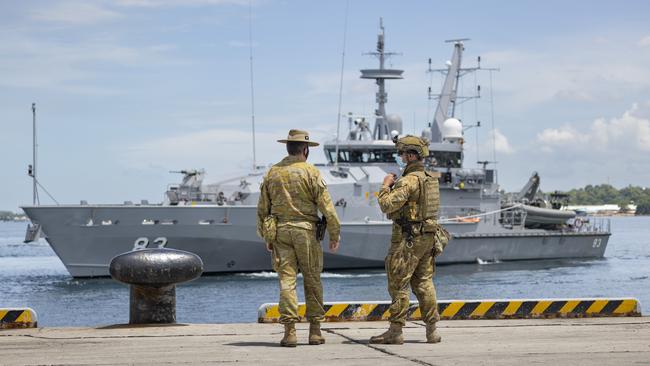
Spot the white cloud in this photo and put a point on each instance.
(610, 150)
(558, 136)
(219, 151)
(625, 134)
(74, 13)
(500, 142)
(594, 72)
(32, 63)
(644, 42)
(216, 150)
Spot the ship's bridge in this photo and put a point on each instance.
(378, 151)
(443, 155)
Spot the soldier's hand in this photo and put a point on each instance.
(389, 180)
(269, 247)
(334, 246)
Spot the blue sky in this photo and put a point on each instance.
(128, 90)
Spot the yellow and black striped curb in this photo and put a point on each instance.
(17, 318)
(472, 309)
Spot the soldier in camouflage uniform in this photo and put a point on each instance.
(412, 203)
(291, 195)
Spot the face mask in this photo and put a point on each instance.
(306, 153)
(399, 162)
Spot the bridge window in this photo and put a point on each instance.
(446, 159)
(363, 156)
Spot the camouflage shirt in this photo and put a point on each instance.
(407, 188)
(294, 192)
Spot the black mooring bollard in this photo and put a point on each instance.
(153, 275)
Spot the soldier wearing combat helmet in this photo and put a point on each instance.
(291, 195)
(412, 203)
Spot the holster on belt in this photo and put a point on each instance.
(321, 226)
(409, 230)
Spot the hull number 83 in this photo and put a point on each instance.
(143, 243)
(597, 242)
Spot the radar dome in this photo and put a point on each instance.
(452, 129)
(394, 123)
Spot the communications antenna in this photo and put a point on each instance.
(338, 121)
(250, 48)
(380, 75)
(31, 171)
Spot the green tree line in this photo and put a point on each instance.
(8, 215)
(606, 194)
(590, 195)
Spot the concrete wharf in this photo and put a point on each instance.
(575, 341)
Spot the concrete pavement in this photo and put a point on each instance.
(580, 341)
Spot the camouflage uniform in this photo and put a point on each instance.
(409, 262)
(293, 191)
(412, 203)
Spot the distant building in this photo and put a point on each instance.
(601, 209)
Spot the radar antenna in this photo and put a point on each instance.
(380, 75)
(448, 98)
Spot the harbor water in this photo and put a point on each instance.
(32, 276)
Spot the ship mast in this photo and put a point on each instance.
(381, 131)
(448, 98)
(32, 168)
(449, 91)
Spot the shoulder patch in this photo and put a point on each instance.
(322, 183)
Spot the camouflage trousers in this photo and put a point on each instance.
(297, 249)
(411, 265)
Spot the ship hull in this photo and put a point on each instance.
(86, 238)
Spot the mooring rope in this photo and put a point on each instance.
(456, 219)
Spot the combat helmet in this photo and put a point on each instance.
(412, 143)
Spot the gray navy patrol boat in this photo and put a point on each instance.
(217, 221)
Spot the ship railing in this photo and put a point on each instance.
(511, 217)
(591, 224)
(452, 212)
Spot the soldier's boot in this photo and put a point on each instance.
(392, 336)
(290, 339)
(432, 334)
(315, 336)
